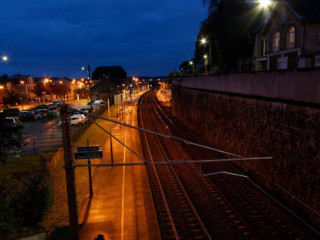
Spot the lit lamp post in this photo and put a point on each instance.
(22, 83)
(88, 69)
(205, 62)
(4, 58)
(192, 63)
(265, 3)
(204, 41)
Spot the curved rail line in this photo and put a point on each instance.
(185, 222)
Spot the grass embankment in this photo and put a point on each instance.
(58, 217)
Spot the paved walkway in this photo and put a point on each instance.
(122, 205)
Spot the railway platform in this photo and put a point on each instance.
(121, 206)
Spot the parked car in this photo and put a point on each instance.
(42, 106)
(76, 120)
(37, 114)
(82, 116)
(58, 103)
(97, 101)
(26, 116)
(12, 121)
(52, 106)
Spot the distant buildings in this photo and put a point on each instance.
(112, 80)
(290, 38)
(20, 84)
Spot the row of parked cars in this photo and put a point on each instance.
(28, 116)
(78, 119)
(51, 106)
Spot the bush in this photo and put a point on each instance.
(24, 198)
(61, 233)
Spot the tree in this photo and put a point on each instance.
(186, 68)
(39, 89)
(230, 27)
(60, 89)
(11, 97)
(11, 140)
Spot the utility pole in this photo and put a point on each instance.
(70, 174)
(89, 74)
(89, 172)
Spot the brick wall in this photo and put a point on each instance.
(252, 128)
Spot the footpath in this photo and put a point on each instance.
(121, 206)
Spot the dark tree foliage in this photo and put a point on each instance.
(60, 89)
(11, 97)
(11, 140)
(230, 27)
(24, 198)
(186, 68)
(39, 89)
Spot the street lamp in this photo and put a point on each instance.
(265, 3)
(88, 69)
(192, 63)
(203, 42)
(22, 83)
(5, 58)
(205, 62)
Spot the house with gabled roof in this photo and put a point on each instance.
(290, 37)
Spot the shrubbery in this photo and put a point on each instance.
(24, 198)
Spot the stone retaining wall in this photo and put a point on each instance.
(255, 128)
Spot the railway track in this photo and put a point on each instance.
(222, 206)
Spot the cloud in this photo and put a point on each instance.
(143, 36)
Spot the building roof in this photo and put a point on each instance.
(109, 72)
(306, 10)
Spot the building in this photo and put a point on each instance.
(109, 72)
(290, 37)
(112, 79)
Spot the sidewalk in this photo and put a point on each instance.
(122, 205)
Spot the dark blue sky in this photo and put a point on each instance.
(56, 38)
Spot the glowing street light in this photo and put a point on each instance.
(203, 42)
(205, 62)
(89, 73)
(265, 3)
(5, 58)
(192, 63)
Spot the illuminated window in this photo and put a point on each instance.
(276, 42)
(291, 37)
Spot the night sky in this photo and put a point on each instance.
(55, 38)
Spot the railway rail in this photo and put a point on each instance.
(191, 205)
